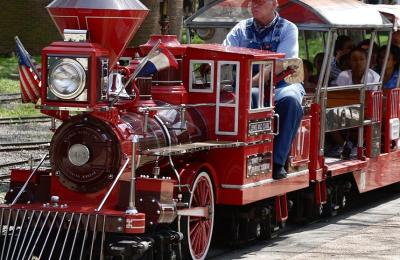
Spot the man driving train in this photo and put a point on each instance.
(266, 30)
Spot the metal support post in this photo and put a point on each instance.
(132, 209)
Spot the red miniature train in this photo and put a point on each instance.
(149, 167)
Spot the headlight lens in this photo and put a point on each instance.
(67, 79)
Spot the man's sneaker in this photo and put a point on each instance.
(279, 172)
(347, 150)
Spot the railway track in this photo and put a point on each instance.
(24, 120)
(10, 97)
(11, 147)
(16, 163)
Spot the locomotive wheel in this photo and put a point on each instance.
(198, 230)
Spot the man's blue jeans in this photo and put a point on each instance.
(288, 105)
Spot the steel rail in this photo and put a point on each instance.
(19, 163)
(20, 147)
(24, 121)
(23, 118)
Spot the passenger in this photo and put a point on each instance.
(343, 46)
(268, 31)
(308, 70)
(391, 74)
(344, 62)
(374, 57)
(318, 60)
(396, 39)
(358, 63)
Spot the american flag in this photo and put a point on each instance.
(29, 74)
(159, 59)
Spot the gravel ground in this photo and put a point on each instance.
(19, 133)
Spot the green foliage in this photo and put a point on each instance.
(315, 45)
(196, 39)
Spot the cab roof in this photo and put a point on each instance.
(306, 14)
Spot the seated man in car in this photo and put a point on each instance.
(268, 31)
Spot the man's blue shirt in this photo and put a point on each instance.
(279, 36)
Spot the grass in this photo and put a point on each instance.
(9, 66)
(9, 86)
(18, 110)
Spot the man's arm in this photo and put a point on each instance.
(289, 43)
(232, 39)
(234, 36)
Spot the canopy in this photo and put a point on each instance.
(392, 12)
(306, 14)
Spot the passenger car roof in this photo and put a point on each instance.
(392, 12)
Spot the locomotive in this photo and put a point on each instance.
(151, 166)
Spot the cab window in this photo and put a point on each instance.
(228, 81)
(201, 77)
(261, 85)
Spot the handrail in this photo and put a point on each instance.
(182, 106)
(350, 87)
(29, 178)
(112, 186)
(322, 89)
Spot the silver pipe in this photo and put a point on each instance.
(144, 109)
(306, 45)
(169, 141)
(39, 235)
(19, 234)
(84, 237)
(12, 233)
(67, 234)
(103, 237)
(387, 53)
(145, 122)
(324, 65)
(132, 209)
(188, 39)
(25, 235)
(29, 178)
(167, 81)
(93, 237)
(350, 87)
(53, 126)
(48, 235)
(325, 71)
(58, 233)
(32, 233)
(113, 185)
(398, 78)
(136, 72)
(362, 94)
(6, 235)
(75, 236)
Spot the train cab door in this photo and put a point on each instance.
(227, 98)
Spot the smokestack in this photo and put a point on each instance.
(111, 23)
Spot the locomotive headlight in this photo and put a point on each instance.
(67, 79)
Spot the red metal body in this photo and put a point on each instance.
(183, 140)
